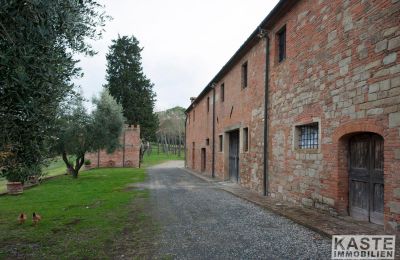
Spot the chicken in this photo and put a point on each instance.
(36, 218)
(21, 218)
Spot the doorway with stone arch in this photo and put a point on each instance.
(366, 178)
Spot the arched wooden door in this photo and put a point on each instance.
(366, 186)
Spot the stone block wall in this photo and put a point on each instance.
(342, 72)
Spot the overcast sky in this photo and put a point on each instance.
(185, 42)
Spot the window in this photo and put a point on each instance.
(244, 75)
(208, 104)
(221, 145)
(188, 119)
(245, 139)
(208, 141)
(281, 44)
(308, 136)
(222, 92)
(194, 115)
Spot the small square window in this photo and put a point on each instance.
(281, 35)
(244, 75)
(208, 141)
(308, 136)
(245, 139)
(221, 145)
(222, 92)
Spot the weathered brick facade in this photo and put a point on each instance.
(341, 71)
(125, 156)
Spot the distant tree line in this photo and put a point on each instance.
(171, 131)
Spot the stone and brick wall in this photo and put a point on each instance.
(342, 71)
(125, 156)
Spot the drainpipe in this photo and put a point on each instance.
(213, 134)
(264, 34)
(184, 146)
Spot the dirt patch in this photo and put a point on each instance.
(133, 188)
(73, 222)
(137, 239)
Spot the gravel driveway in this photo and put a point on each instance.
(199, 221)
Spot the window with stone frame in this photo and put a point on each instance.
(244, 74)
(222, 92)
(308, 136)
(245, 139)
(281, 43)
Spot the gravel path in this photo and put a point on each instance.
(199, 221)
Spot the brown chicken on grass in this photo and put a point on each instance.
(21, 218)
(36, 218)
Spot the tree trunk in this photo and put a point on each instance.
(78, 164)
(179, 145)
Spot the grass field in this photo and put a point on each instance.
(87, 218)
(56, 167)
(154, 158)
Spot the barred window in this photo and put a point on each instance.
(308, 136)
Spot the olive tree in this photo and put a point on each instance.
(80, 132)
(38, 40)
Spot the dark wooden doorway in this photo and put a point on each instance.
(203, 159)
(366, 187)
(234, 156)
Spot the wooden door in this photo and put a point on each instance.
(203, 159)
(366, 187)
(234, 156)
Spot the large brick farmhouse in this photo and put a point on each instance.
(308, 110)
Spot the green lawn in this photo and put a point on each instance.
(154, 158)
(56, 167)
(92, 217)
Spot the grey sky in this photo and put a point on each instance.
(185, 42)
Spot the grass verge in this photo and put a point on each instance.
(99, 215)
(56, 167)
(80, 217)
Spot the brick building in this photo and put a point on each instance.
(125, 156)
(326, 75)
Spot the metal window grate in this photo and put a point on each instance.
(308, 138)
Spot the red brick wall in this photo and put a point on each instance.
(247, 109)
(341, 70)
(130, 151)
